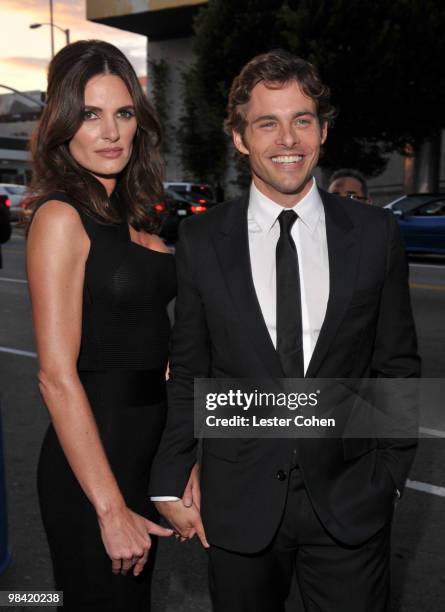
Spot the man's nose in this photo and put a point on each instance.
(288, 136)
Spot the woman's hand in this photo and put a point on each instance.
(126, 538)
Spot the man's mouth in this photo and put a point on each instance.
(287, 159)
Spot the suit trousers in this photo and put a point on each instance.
(332, 577)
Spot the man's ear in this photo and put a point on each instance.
(238, 141)
(324, 132)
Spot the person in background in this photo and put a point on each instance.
(100, 280)
(5, 227)
(348, 183)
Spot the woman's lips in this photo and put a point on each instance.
(110, 153)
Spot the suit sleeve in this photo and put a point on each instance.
(189, 359)
(395, 356)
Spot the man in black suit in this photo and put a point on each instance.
(287, 281)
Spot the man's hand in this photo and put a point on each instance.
(185, 521)
(192, 492)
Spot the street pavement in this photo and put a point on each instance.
(180, 579)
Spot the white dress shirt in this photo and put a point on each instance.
(309, 235)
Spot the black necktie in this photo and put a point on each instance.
(289, 325)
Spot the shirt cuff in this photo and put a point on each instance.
(164, 498)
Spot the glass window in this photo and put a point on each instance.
(15, 189)
(432, 209)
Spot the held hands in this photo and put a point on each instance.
(184, 515)
(126, 538)
(192, 491)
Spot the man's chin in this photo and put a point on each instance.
(292, 188)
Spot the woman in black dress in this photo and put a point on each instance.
(100, 281)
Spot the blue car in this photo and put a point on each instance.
(421, 217)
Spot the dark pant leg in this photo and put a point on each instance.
(258, 582)
(249, 583)
(334, 577)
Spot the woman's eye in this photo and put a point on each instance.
(126, 113)
(87, 115)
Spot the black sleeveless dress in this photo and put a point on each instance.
(122, 363)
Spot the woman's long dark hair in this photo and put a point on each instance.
(140, 183)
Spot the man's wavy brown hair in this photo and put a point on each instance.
(139, 185)
(276, 68)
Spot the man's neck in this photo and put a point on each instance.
(286, 200)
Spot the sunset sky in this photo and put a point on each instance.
(25, 53)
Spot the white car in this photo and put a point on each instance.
(14, 194)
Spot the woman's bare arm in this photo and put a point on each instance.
(57, 251)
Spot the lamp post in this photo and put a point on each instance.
(33, 26)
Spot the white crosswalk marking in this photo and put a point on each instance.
(6, 349)
(426, 488)
(13, 280)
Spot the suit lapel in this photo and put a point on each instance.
(232, 246)
(343, 251)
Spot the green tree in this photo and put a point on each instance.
(203, 145)
(383, 61)
(160, 79)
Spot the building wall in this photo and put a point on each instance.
(18, 118)
(100, 9)
(390, 184)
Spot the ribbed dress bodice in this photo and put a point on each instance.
(127, 287)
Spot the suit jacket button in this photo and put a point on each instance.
(281, 475)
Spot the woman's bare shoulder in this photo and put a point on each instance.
(60, 221)
(56, 211)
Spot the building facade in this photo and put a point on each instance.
(18, 117)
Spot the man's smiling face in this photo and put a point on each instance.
(282, 138)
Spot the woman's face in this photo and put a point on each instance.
(104, 141)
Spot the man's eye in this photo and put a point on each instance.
(268, 124)
(303, 122)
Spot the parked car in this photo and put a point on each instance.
(421, 217)
(197, 192)
(15, 194)
(179, 206)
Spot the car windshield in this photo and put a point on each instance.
(431, 209)
(411, 203)
(174, 194)
(178, 188)
(14, 189)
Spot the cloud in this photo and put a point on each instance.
(24, 55)
(26, 62)
(24, 6)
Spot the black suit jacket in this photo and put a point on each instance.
(219, 332)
